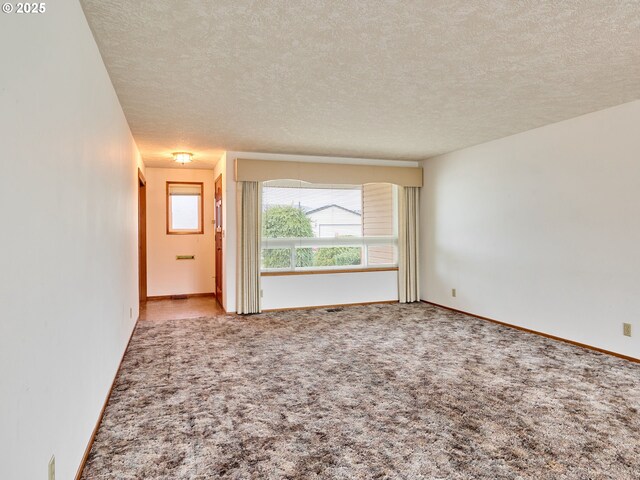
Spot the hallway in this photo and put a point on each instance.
(191, 307)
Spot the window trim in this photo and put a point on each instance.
(329, 270)
(200, 230)
(328, 242)
(340, 241)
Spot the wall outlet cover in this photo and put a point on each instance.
(626, 329)
(453, 292)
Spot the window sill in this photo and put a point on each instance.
(324, 272)
(194, 232)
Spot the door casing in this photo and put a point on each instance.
(142, 237)
(219, 253)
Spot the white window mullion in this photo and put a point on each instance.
(293, 257)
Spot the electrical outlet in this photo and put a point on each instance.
(453, 292)
(261, 295)
(626, 329)
(130, 312)
(52, 468)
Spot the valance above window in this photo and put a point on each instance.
(329, 173)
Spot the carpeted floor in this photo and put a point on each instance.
(379, 391)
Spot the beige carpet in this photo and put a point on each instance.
(380, 391)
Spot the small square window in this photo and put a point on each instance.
(184, 208)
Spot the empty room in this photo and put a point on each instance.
(320, 240)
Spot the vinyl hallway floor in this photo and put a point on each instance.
(190, 307)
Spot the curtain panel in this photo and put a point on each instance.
(248, 263)
(408, 215)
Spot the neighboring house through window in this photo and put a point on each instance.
(335, 221)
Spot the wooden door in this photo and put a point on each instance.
(142, 237)
(218, 237)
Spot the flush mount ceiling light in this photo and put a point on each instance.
(182, 157)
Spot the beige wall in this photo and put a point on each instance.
(69, 268)
(166, 275)
(541, 229)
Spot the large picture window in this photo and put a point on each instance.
(184, 208)
(328, 227)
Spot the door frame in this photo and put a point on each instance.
(218, 238)
(142, 237)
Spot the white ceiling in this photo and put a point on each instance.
(378, 79)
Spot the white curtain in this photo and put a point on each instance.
(408, 278)
(248, 271)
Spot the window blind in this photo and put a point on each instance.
(184, 189)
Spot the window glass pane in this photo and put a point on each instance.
(326, 226)
(298, 210)
(185, 212)
(381, 255)
(276, 258)
(378, 209)
(337, 256)
(304, 257)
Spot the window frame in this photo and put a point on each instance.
(364, 242)
(200, 229)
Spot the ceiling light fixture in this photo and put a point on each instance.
(182, 157)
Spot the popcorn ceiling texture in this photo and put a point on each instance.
(380, 391)
(379, 79)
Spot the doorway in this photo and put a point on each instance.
(218, 237)
(142, 237)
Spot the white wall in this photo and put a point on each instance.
(542, 229)
(165, 274)
(293, 285)
(68, 204)
(291, 291)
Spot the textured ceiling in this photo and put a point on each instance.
(377, 79)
